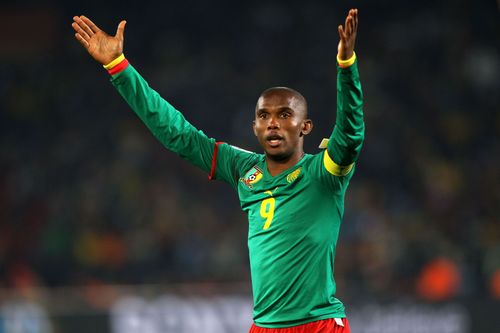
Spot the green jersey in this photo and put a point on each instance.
(294, 217)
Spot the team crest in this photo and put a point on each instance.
(252, 176)
(293, 176)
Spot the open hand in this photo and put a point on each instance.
(101, 46)
(347, 35)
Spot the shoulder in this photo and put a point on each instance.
(235, 151)
(241, 158)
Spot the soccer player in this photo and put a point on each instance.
(294, 201)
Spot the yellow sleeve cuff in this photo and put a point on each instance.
(348, 62)
(334, 168)
(114, 62)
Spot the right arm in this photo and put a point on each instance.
(166, 123)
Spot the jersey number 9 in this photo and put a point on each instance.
(267, 211)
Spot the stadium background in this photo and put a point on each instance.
(97, 219)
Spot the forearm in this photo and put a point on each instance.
(348, 135)
(166, 123)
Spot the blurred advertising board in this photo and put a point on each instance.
(223, 309)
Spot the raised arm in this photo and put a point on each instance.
(166, 123)
(347, 138)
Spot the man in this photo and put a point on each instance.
(294, 201)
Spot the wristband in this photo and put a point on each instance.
(114, 62)
(117, 65)
(348, 62)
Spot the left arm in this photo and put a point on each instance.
(347, 138)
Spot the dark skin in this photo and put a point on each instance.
(280, 126)
(281, 113)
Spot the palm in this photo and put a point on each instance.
(101, 46)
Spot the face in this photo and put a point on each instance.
(280, 124)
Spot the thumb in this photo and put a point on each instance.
(340, 28)
(342, 38)
(120, 30)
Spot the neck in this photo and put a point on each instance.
(277, 166)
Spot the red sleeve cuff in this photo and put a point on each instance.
(119, 67)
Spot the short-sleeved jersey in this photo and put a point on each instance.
(294, 217)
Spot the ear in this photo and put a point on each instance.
(307, 126)
(253, 126)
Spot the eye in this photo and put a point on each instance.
(285, 115)
(262, 115)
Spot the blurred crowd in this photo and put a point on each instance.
(87, 195)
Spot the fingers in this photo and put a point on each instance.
(346, 24)
(120, 30)
(90, 24)
(351, 23)
(354, 19)
(80, 31)
(84, 27)
(81, 27)
(82, 40)
(353, 14)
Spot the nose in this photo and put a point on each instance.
(273, 123)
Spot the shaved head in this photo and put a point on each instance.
(297, 101)
(281, 123)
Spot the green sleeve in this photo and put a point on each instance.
(166, 123)
(349, 132)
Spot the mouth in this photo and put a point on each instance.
(274, 140)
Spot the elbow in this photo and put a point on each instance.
(347, 151)
(351, 154)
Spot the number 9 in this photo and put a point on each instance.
(267, 211)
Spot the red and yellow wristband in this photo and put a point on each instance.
(117, 65)
(348, 62)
